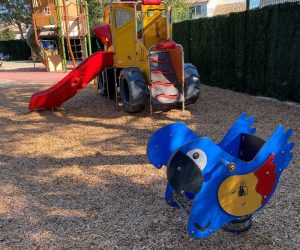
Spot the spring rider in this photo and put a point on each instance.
(220, 185)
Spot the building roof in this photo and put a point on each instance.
(224, 9)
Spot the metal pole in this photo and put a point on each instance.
(61, 34)
(88, 28)
(247, 4)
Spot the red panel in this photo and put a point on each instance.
(69, 86)
(266, 177)
(158, 61)
(168, 96)
(103, 32)
(151, 2)
(161, 72)
(162, 84)
(167, 45)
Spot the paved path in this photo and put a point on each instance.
(24, 71)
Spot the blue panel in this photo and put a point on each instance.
(166, 140)
(241, 125)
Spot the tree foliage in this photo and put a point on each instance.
(181, 10)
(16, 12)
(7, 34)
(95, 12)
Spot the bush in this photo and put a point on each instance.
(17, 49)
(257, 52)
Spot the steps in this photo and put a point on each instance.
(165, 88)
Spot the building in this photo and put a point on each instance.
(208, 8)
(264, 3)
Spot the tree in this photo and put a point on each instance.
(7, 34)
(95, 12)
(16, 12)
(181, 10)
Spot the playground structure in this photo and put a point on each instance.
(144, 61)
(60, 31)
(220, 185)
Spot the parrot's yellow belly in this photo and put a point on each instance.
(238, 196)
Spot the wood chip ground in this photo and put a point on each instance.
(79, 178)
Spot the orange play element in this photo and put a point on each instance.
(266, 176)
(237, 195)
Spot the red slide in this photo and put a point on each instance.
(69, 86)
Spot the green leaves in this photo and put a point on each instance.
(16, 12)
(6, 35)
(180, 10)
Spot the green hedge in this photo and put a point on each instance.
(257, 52)
(18, 49)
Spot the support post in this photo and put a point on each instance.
(88, 29)
(61, 35)
(247, 5)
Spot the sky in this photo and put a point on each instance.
(254, 3)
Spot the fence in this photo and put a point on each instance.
(209, 8)
(257, 52)
(17, 49)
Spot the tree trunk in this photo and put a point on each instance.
(20, 29)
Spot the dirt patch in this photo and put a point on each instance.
(79, 177)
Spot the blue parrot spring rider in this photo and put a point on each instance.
(220, 185)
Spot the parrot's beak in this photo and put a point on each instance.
(184, 175)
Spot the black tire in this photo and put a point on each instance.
(191, 83)
(133, 89)
(102, 87)
(102, 90)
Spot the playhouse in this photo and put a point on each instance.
(60, 32)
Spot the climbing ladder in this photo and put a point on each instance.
(76, 37)
(165, 88)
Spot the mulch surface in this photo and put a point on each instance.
(79, 177)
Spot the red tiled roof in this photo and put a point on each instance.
(224, 9)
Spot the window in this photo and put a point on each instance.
(199, 10)
(122, 17)
(47, 11)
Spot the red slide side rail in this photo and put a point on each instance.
(75, 81)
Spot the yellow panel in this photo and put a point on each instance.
(55, 63)
(155, 25)
(142, 59)
(237, 195)
(124, 38)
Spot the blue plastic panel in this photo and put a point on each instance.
(165, 141)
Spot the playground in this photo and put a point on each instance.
(84, 134)
(78, 177)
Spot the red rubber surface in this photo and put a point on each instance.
(70, 85)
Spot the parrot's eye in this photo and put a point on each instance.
(196, 155)
(199, 157)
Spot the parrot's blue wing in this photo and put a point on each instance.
(241, 125)
(282, 148)
(166, 140)
(278, 144)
